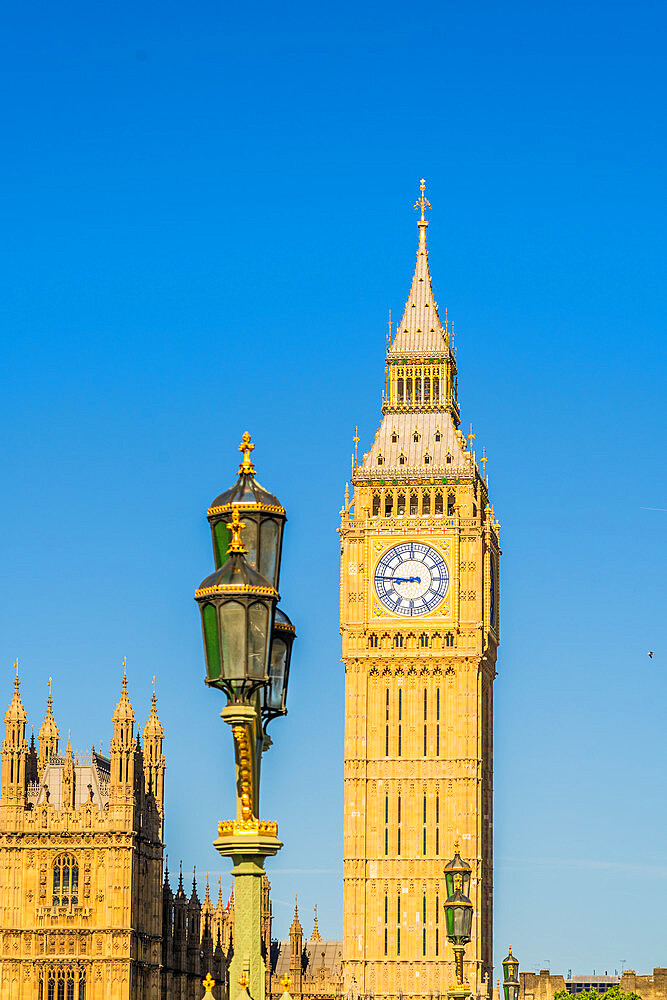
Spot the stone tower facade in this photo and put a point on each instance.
(81, 862)
(419, 624)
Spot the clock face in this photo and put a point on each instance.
(411, 579)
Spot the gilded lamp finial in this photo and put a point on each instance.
(208, 983)
(246, 447)
(422, 202)
(457, 847)
(236, 525)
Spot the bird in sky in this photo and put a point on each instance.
(651, 654)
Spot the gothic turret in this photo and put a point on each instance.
(296, 950)
(194, 929)
(123, 748)
(14, 750)
(69, 778)
(49, 735)
(167, 921)
(153, 756)
(180, 926)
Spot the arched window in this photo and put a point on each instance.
(426, 503)
(408, 390)
(427, 390)
(449, 639)
(451, 505)
(373, 641)
(398, 641)
(436, 390)
(61, 983)
(388, 505)
(449, 458)
(380, 459)
(400, 504)
(376, 504)
(399, 389)
(418, 390)
(423, 642)
(65, 881)
(413, 504)
(427, 459)
(438, 503)
(438, 435)
(394, 437)
(401, 459)
(416, 435)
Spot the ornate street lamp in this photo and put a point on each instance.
(247, 647)
(511, 977)
(458, 917)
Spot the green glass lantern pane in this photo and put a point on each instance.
(222, 537)
(449, 918)
(233, 641)
(274, 693)
(258, 637)
(449, 882)
(210, 618)
(268, 549)
(506, 991)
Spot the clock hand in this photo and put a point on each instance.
(402, 579)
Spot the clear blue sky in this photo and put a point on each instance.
(207, 212)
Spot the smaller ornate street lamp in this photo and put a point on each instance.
(511, 977)
(274, 694)
(458, 917)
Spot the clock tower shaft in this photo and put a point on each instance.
(419, 647)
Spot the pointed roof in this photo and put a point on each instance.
(296, 927)
(207, 895)
(180, 894)
(315, 936)
(153, 727)
(124, 711)
(16, 712)
(48, 729)
(420, 332)
(194, 898)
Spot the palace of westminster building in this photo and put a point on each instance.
(87, 909)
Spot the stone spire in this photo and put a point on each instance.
(154, 764)
(122, 749)
(69, 790)
(14, 749)
(49, 735)
(296, 949)
(315, 936)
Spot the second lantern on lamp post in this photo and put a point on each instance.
(458, 917)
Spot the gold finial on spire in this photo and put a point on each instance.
(356, 440)
(16, 679)
(235, 526)
(246, 447)
(244, 980)
(208, 983)
(286, 982)
(422, 202)
(471, 438)
(389, 334)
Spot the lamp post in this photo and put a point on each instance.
(247, 648)
(458, 917)
(510, 977)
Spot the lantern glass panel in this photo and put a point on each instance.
(275, 688)
(511, 991)
(210, 621)
(268, 549)
(222, 537)
(258, 636)
(250, 541)
(233, 635)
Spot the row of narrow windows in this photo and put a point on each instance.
(399, 642)
(392, 829)
(416, 437)
(435, 930)
(397, 730)
(410, 502)
(62, 983)
(410, 390)
(65, 881)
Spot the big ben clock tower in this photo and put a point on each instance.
(419, 621)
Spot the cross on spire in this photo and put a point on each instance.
(422, 202)
(247, 448)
